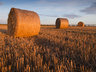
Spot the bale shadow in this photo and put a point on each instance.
(46, 42)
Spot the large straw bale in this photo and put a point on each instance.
(62, 23)
(23, 23)
(80, 24)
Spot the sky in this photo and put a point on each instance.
(50, 10)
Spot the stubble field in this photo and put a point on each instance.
(53, 50)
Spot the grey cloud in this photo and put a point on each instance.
(91, 9)
(48, 15)
(71, 16)
(65, 2)
(1, 3)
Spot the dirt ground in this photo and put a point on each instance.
(57, 50)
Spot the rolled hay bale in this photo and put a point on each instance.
(23, 23)
(80, 24)
(62, 23)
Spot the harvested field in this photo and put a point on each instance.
(55, 50)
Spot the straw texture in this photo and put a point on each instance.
(62, 23)
(23, 23)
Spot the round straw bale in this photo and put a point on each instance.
(23, 23)
(62, 23)
(80, 24)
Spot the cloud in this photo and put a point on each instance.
(3, 21)
(48, 15)
(71, 16)
(91, 9)
(64, 2)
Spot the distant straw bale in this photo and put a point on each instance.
(62, 23)
(80, 24)
(23, 23)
